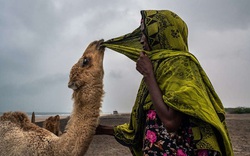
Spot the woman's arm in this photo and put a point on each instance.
(170, 117)
(104, 130)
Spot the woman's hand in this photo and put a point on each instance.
(104, 130)
(171, 119)
(144, 65)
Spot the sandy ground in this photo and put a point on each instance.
(238, 126)
(239, 131)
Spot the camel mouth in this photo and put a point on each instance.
(99, 45)
(72, 85)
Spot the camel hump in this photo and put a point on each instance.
(53, 124)
(15, 117)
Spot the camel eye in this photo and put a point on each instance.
(85, 61)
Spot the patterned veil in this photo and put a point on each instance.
(184, 84)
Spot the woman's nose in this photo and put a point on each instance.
(141, 41)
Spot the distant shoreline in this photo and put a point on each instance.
(40, 118)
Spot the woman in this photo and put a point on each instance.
(177, 111)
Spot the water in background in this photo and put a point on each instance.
(61, 114)
(48, 114)
(45, 114)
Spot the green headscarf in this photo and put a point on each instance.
(184, 84)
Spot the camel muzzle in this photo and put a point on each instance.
(99, 45)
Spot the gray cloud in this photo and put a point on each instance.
(41, 40)
(36, 95)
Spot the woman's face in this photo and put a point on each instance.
(143, 39)
(144, 42)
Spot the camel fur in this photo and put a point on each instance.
(52, 124)
(21, 137)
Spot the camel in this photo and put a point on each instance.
(21, 137)
(52, 124)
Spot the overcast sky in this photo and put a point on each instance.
(40, 40)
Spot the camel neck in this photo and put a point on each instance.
(82, 124)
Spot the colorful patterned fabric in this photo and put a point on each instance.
(184, 84)
(158, 142)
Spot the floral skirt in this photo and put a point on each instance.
(158, 142)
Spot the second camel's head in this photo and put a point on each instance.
(88, 71)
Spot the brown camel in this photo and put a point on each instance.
(21, 137)
(53, 124)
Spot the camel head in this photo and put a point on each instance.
(89, 68)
